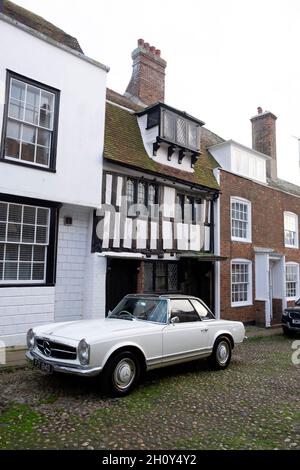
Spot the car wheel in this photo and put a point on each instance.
(221, 355)
(121, 374)
(287, 332)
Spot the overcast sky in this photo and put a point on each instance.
(225, 57)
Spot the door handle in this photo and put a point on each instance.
(204, 330)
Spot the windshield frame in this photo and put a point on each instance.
(157, 299)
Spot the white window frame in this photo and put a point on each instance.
(20, 243)
(291, 214)
(240, 200)
(249, 301)
(292, 263)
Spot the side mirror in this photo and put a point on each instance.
(174, 320)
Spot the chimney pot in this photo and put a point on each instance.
(259, 110)
(141, 42)
(152, 49)
(157, 52)
(147, 46)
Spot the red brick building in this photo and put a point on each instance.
(257, 224)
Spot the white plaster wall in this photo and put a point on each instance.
(149, 137)
(81, 119)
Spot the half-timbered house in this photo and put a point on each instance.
(155, 230)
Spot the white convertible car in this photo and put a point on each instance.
(142, 333)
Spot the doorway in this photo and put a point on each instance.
(121, 279)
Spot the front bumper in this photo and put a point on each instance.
(64, 368)
(290, 326)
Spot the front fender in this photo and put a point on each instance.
(121, 345)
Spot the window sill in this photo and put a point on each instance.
(294, 247)
(291, 299)
(241, 304)
(27, 165)
(3, 286)
(241, 240)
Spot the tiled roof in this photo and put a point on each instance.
(112, 95)
(285, 186)
(39, 24)
(123, 144)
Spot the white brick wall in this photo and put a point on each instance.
(72, 253)
(22, 308)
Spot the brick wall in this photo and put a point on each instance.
(268, 206)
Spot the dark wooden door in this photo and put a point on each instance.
(121, 279)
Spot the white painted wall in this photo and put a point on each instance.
(241, 160)
(21, 308)
(81, 119)
(149, 137)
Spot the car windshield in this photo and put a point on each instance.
(131, 308)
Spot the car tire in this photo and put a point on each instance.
(287, 332)
(121, 374)
(221, 355)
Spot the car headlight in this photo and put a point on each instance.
(83, 352)
(31, 339)
(285, 313)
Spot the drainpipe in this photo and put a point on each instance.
(217, 245)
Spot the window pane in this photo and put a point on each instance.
(27, 152)
(42, 156)
(1, 251)
(28, 234)
(15, 213)
(41, 235)
(240, 282)
(172, 277)
(1, 270)
(3, 211)
(192, 135)
(29, 134)
(44, 138)
(10, 271)
(148, 277)
(25, 253)
(141, 193)
(46, 110)
(12, 252)
(39, 253)
(180, 131)
(25, 272)
(2, 231)
(13, 130)
(32, 104)
(12, 148)
(17, 90)
(42, 216)
(16, 109)
(13, 232)
(29, 215)
(183, 309)
(38, 272)
(169, 126)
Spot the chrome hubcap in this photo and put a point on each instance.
(222, 352)
(124, 373)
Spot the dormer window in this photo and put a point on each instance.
(177, 132)
(180, 131)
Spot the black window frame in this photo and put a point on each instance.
(10, 75)
(146, 184)
(54, 207)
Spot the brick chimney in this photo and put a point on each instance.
(264, 138)
(147, 83)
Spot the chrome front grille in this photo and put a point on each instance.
(294, 315)
(52, 349)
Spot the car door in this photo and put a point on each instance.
(188, 337)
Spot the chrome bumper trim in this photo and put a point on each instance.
(65, 368)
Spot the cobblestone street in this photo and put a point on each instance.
(254, 404)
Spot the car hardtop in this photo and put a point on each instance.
(163, 296)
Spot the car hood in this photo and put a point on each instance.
(95, 329)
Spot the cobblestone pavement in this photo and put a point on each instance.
(254, 404)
